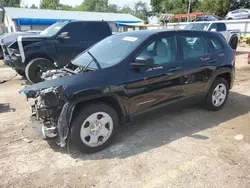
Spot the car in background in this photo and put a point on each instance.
(127, 74)
(207, 18)
(231, 36)
(238, 14)
(54, 47)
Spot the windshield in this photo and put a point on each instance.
(108, 52)
(53, 29)
(196, 26)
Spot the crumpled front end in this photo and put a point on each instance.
(52, 113)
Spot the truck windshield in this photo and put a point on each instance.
(196, 26)
(53, 29)
(108, 52)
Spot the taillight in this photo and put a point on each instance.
(248, 58)
(235, 52)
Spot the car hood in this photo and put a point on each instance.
(11, 38)
(64, 81)
(27, 38)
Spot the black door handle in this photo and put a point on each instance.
(174, 69)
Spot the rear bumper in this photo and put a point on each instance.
(15, 62)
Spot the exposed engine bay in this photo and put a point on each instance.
(47, 107)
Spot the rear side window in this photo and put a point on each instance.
(221, 26)
(194, 46)
(243, 11)
(216, 44)
(96, 30)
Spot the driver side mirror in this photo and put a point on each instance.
(63, 35)
(213, 30)
(143, 62)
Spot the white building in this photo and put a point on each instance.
(21, 19)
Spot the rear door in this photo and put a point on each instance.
(236, 14)
(71, 46)
(217, 49)
(148, 87)
(198, 63)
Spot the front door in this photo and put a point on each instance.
(244, 14)
(72, 45)
(198, 62)
(148, 87)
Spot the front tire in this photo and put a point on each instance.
(94, 127)
(217, 95)
(21, 73)
(36, 67)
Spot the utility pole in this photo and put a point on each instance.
(189, 7)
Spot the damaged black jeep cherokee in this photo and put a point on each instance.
(126, 74)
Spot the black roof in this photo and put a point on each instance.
(146, 33)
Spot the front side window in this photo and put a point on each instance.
(53, 29)
(162, 50)
(235, 12)
(193, 46)
(108, 52)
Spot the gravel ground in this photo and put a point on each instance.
(185, 147)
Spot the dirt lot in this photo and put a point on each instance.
(188, 147)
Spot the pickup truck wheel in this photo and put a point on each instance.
(234, 43)
(94, 128)
(217, 94)
(36, 67)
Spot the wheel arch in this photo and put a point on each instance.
(39, 55)
(226, 73)
(109, 100)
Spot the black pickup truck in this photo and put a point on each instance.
(54, 47)
(127, 74)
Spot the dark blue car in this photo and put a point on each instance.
(127, 74)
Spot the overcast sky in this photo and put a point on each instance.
(77, 2)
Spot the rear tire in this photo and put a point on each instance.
(94, 127)
(35, 67)
(234, 43)
(217, 95)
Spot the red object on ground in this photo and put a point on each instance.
(249, 58)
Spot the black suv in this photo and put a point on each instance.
(55, 47)
(130, 73)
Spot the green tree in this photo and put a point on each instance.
(113, 8)
(10, 3)
(49, 4)
(65, 7)
(93, 6)
(141, 11)
(126, 9)
(33, 6)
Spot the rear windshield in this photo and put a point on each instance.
(196, 26)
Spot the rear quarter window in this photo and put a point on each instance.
(216, 43)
